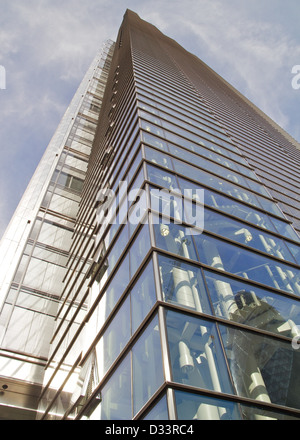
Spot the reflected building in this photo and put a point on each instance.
(152, 267)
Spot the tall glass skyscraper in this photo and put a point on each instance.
(152, 269)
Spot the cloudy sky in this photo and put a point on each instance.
(47, 45)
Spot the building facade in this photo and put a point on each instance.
(35, 247)
(158, 273)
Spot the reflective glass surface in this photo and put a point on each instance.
(159, 411)
(116, 401)
(247, 235)
(143, 297)
(123, 397)
(252, 305)
(147, 365)
(262, 368)
(182, 284)
(193, 406)
(196, 354)
(114, 339)
(225, 256)
(197, 407)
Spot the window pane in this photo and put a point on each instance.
(161, 177)
(182, 284)
(173, 238)
(116, 394)
(285, 229)
(226, 204)
(117, 249)
(195, 407)
(55, 235)
(252, 413)
(237, 209)
(139, 249)
(223, 171)
(195, 351)
(113, 292)
(76, 184)
(213, 182)
(247, 235)
(115, 337)
(147, 365)
(254, 306)
(192, 406)
(138, 209)
(232, 259)
(157, 157)
(155, 141)
(143, 296)
(159, 412)
(229, 188)
(263, 368)
(295, 250)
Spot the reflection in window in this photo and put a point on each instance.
(147, 365)
(178, 139)
(247, 235)
(196, 407)
(117, 249)
(235, 208)
(139, 248)
(162, 177)
(226, 187)
(253, 413)
(224, 171)
(117, 213)
(143, 297)
(193, 406)
(225, 204)
(159, 412)
(263, 368)
(173, 238)
(195, 351)
(116, 395)
(137, 212)
(130, 315)
(114, 339)
(154, 141)
(295, 250)
(225, 256)
(159, 158)
(285, 229)
(252, 305)
(69, 181)
(121, 397)
(112, 293)
(53, 234)
(172, 205)
(182, 284)
(137, 252)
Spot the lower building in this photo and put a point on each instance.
(151, 271)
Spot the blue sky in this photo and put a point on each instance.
(46, 47)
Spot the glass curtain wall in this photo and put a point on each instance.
(221, 298)
(178, 319)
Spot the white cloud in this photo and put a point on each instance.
(47, 45)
